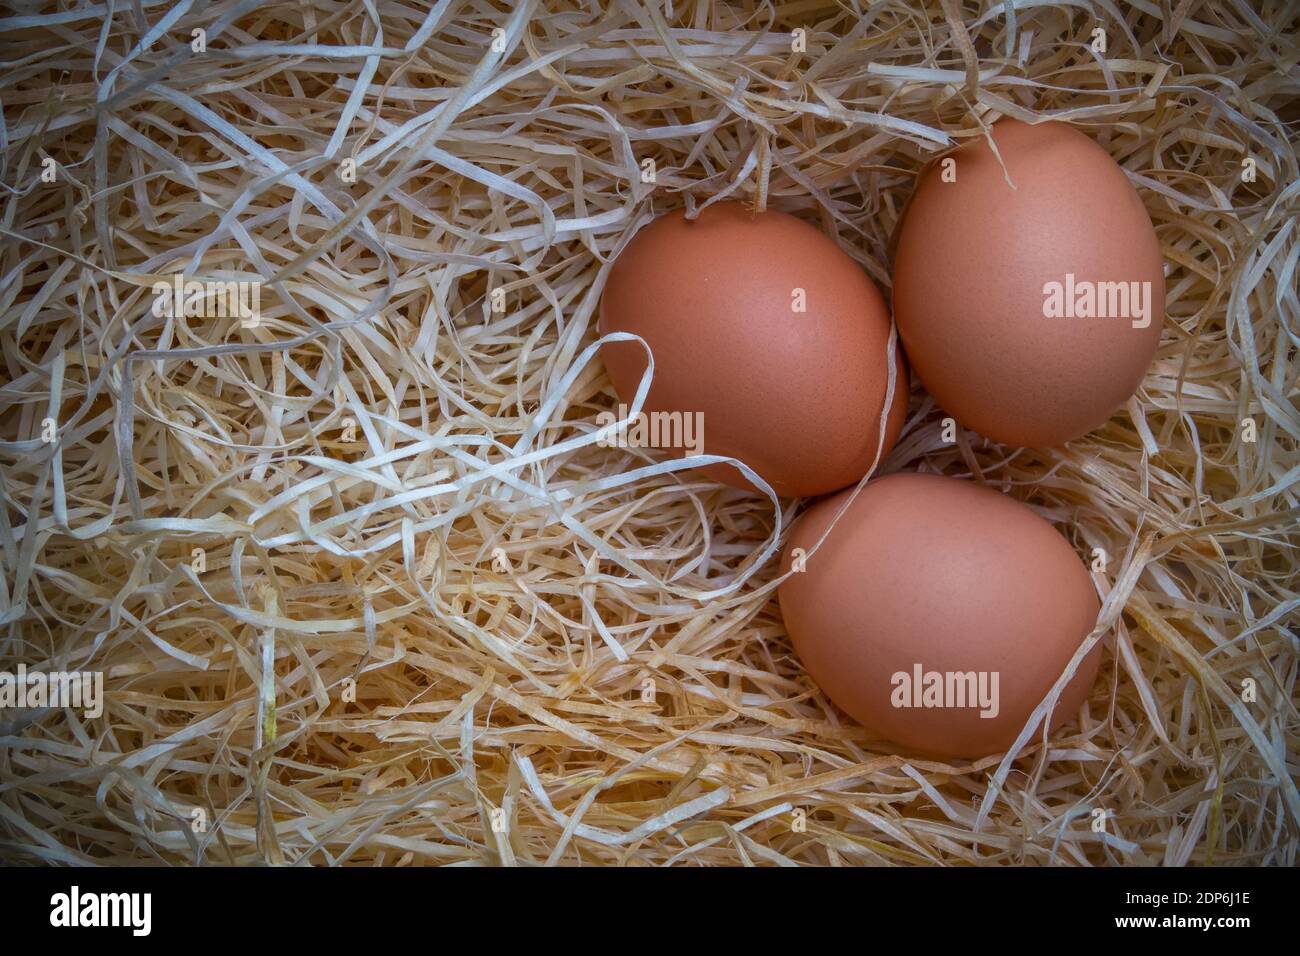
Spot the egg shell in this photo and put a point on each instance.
(972, 262)
(797, 396)
(950, 576)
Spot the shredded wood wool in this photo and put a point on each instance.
(363, 584)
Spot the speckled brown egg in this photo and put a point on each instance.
(1030, 313)
(765, 326)
(938, 613)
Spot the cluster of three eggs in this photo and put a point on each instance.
(1028, 295)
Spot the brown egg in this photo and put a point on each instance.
(934, 601)
(1024, 311)
(796, 395)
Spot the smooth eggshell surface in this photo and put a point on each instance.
(795, 395)
(945, 574)
(973, 259)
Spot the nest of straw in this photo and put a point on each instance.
(362, 584)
